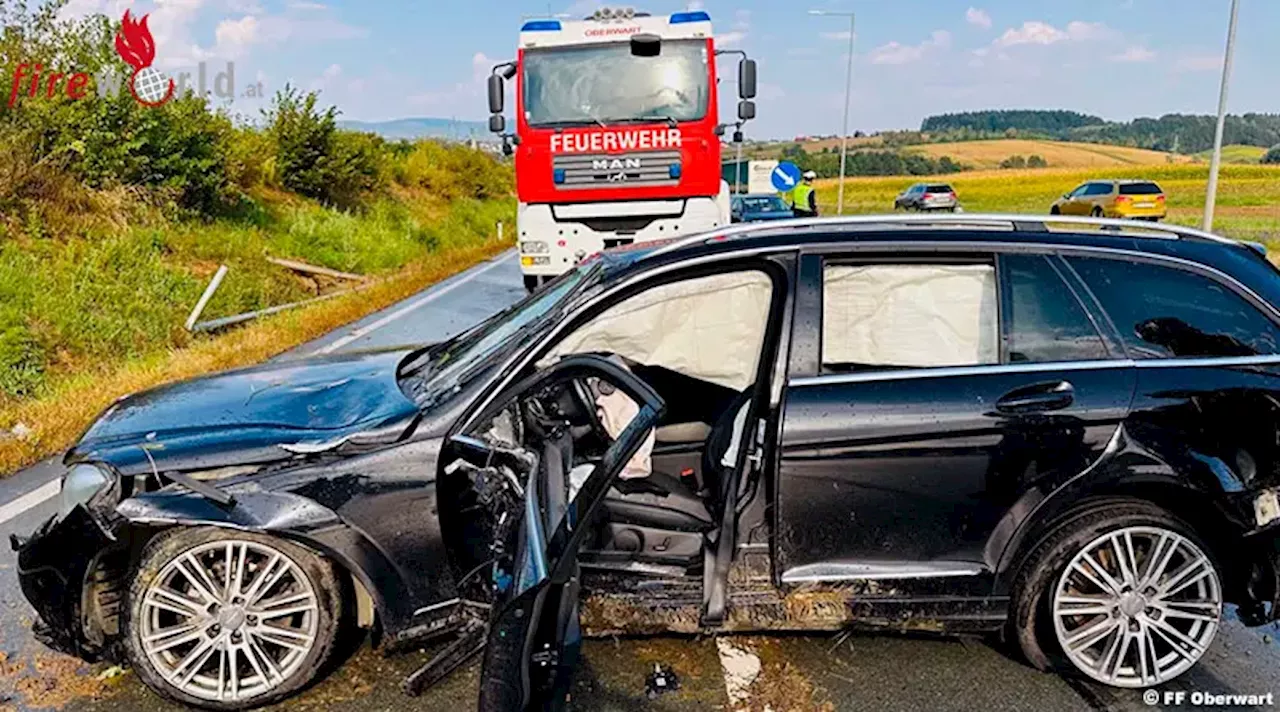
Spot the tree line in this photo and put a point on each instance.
(1177, 133)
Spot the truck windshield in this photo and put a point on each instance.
(607, 84)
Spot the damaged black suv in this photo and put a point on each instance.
(1063, 432)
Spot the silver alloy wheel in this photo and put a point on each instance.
(228, 620)
(1137, 607)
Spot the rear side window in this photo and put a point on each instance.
(1163, 312)
(1140, 189)
(908, 316)
(1098, 189)
(939, 188)
(1045, 321)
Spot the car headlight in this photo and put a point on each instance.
(81, 485)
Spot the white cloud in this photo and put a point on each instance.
(897, 53)
(1137, 53)
(1031, 32)
(306, 5)
(730, 39)
(978, 17)
(233, 37)
(1199, 63)
(1035, 32)
(737, 34)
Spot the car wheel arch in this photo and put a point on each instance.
(375, 582)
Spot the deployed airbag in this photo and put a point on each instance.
(909, 315)
(710, 328)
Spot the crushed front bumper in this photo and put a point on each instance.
(54, 564)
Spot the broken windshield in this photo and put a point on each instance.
(606, 83)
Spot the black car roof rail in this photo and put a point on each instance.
(993, 221)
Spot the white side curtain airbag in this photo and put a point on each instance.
(711, 328)
(909, 315)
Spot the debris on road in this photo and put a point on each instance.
(313, 269)
(661, 681)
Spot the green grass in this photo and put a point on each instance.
(69, 304)
(1235, 154)
(1248, 205)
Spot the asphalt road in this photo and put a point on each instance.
(850, 672)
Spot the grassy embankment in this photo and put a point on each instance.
(1248, 205)
(113, 217)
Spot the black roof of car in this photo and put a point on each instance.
(1245, 262)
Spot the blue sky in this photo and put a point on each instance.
(377, 59)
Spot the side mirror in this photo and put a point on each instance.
(746, 110)
(747, 79)
(496, 94)
(646, 45)
(720, 129)
(497, 123)
(737, 136)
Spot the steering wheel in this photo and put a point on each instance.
(587, 402)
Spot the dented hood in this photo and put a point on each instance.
(244, 416)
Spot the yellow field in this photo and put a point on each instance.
(1248, 206)
(1059, 154)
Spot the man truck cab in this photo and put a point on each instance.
(617, 133)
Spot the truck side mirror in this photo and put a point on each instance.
(747, 79)
(746, 110)
(646, 45)
(497, 123)
(496, 94)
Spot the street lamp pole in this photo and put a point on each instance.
(848, 92)
(1211, 195)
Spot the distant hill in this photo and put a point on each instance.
(1180, 133)
(421, 128)
(984, 155)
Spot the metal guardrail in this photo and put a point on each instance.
(1027, 223)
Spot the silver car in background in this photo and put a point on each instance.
(928, 196)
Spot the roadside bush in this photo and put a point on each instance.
(313, 157)
(1272, 156)
(1036, 161)
(452, 171)
(1015, 161)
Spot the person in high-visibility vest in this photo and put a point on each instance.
(804, 200)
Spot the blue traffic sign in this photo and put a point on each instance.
(785, 177)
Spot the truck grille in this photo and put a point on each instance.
(649, 168)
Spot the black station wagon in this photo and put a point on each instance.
(975, 424)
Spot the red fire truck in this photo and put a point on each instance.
(617, 133)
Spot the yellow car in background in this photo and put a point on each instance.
(1136, 199)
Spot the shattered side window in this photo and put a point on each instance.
(908, 316)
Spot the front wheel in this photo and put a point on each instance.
(227, 620)
(1122, 592)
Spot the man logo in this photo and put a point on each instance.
(616, 164)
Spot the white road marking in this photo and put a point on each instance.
(741, 668)
(412, 306)
(30, 500)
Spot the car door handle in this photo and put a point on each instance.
(1054, 395)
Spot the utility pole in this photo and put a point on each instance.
(1211, 195)
(848, 92)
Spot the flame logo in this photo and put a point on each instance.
(137, 48)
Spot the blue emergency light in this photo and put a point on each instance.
(681, 18)
(541, 26)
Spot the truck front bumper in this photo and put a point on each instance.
(553, 238)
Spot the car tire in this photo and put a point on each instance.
(1096, 212)
(531, 283)
(1055, 210)
(277, 647)
(1050, 613)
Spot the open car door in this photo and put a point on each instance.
(534, 635)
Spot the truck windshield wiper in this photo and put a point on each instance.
(570, 123)
(671, 120)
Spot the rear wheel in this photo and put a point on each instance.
(531, 283)
(1122, 592)
(1096, 212)
(1055, 210)
(228, 620)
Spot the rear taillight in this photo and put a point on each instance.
(952, 194)
(1160, 198)
(1122, 198)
